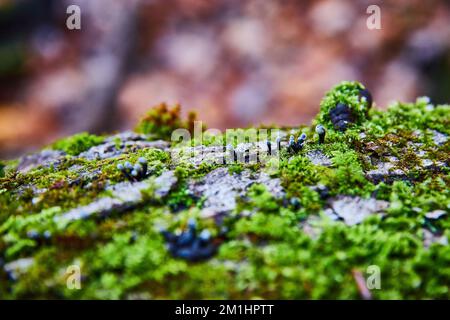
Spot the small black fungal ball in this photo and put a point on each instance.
(187, 237)
(269, 147)
(137, 167)
(291, 140)
(144, 165)
(125, 170)
(134, 237)
(128, 166)
(142, 160)
(300, 142)
(247, 156)
(341, 116)
(364, 93)
(292, 145)
(168, 236)
(295, 202)
(321, 132)
(139, 170)
(134, 173)
(205, 235)
(322, 190)
(302, 138)
(33, 234)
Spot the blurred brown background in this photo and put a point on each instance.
(238, 62)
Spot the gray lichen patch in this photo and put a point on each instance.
(317, 157)
(18, 267)
(386, 172)
(435, 214)
(354, 210)
(82, 173)
(389, 170)
(438, 137)
(121, 143)
(124, 196)
(198, 155)
(164, 183)
(429, 238)
(220, 188)
(44, 158)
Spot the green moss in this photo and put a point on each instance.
(78, 143)
(180, 199)
(349, 177)
(273, 248)
(298, 171)
(15, 229)
(261, 199)
(235, 168)
(409, 116)
(161, 121)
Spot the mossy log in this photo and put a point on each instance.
(279, 217)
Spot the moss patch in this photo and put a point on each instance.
(162, 120)
(269, 247)
(77, 143)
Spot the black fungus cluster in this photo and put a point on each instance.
(364, 93)
(341, 116)
(321, 132)
(270, 150)
(135, 172)
(269, 147)
(235, 156)
(189, 245)
(296, 146)
(35, 235)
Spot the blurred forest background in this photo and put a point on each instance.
(238, 62)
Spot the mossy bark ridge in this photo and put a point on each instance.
(357, 188)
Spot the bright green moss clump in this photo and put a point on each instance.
(347, 93)
(77, 143)
(420, 115)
